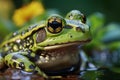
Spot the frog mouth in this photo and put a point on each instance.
(76, 43)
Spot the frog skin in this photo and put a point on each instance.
(48, 47)
(76, 15)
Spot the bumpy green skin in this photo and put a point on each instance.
(76, 15)
(20, 49)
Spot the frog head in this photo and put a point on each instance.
(59, 39)
(60, 32)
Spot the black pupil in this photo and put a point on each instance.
(55, 24)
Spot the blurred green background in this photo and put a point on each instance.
(111, 8)
(108, 7)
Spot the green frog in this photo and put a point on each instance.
(49, 47)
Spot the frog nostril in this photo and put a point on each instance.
(71, 36)
(80, 29)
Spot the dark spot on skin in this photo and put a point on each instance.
(71, 15)
(68, 27)
(80, 29)
(32, 66)
(36, 58)
(21, 65)
(6, 62)
(26, 43)
(29, 55)
(14, 57)
(14, 64)
(10, 65)
(35, 72)
(38, 52)
(71, 36)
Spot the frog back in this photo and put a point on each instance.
(22, 34)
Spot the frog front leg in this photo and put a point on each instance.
(19, 61)
(86, 64)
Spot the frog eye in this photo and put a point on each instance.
(55, 24)
(76, 15)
